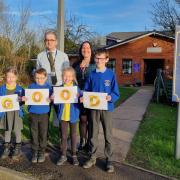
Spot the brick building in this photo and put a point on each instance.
(136, 56)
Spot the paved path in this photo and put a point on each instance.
(126, 120)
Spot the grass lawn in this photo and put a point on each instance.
(54, 131)
(125, 93)
(153, 145)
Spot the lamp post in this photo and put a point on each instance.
(60, 25)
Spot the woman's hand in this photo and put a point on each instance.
(84, 63)
(108, 98)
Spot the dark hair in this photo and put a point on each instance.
(50, 32)
(41, 71)
(11, 69)
(102, 51)
(81, 57)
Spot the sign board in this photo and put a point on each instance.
(176, 72)
(136, 67)
(154, 50)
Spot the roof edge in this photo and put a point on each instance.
(139, 37)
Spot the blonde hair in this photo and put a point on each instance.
(70, 69)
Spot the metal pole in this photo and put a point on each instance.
(176, 88)
(60, 25)
(178, 134)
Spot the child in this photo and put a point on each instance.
(11, 121)
(102, 80)
(68, 114)
(39, 118)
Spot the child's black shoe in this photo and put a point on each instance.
(62, 160)
(75, 160)
(109, 167)
(16, 151)
(6, 151)
(41, 157)
(34, 157)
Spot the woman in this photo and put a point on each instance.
(83, 69)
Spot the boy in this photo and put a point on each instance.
(102, 80)
(39, 118)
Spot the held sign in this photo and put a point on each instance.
(176, 72)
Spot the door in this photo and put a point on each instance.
(150, 69)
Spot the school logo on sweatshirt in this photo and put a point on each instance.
(107, 82)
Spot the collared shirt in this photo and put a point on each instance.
(102, 71)
(61, 61)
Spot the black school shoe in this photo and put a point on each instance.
(41, 157)
(34, 157)
(61, 160)
(17, 151)
(6, 151)
(109, 167)
(91, 162)
(75, 161)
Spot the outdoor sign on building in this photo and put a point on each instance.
(176, 75)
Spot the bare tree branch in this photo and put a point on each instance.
(165, 14)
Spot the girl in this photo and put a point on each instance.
(11, 121)
(69, 115)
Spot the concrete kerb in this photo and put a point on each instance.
(9, 174)
(149, 171)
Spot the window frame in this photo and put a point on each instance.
(127, 64)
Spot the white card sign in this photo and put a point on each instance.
(9, 103)
(65, 94)
(94, 100)
(37, 96)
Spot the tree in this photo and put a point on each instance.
(166, 14)
(75, 31)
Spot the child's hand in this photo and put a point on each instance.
(108, 98)
(23, 98)
(19, 98)
(81, 99)
(51, 97)
(48, 99)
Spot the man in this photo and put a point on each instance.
(52, 60)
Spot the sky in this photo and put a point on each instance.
(101, 16)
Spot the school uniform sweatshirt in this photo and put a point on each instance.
(104, 82)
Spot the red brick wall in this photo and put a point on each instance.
(137, 51)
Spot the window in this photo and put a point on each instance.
(111, 64)
(127, 66)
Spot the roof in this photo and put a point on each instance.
(121, 36)
(125, 37)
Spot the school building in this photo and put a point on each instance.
(136, 56)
